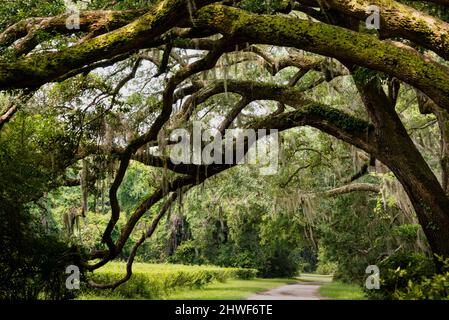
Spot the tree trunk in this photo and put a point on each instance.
(397, 151)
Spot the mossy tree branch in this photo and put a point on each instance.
(400, 20)
(35, 71)
(345, 45)
(24, 36)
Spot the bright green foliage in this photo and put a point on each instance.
(399, 271)
(152, 281)
(429, 287)
(357, 235)
(227, 231)
(325, 264)
(435, 287)
(121, 5)
(34, 150)
(342, 291)
(15, 10)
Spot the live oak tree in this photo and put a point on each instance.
(191, 57)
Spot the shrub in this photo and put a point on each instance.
(153, 281)
(325, 265)
(435, 287)
(186, 253)
(280, 263)
(244, 273)
(398, 270)
(32, 262)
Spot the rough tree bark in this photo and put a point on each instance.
(398, 152)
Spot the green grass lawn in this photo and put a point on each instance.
(156, 281)
(242, 289)
(334, 290)
(230, 290)
(341, 291)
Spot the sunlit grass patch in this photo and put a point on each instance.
(342, 291)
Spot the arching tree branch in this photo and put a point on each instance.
(35, 71)
(342, 44)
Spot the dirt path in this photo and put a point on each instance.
(296, 291)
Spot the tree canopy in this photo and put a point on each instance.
(83, 104)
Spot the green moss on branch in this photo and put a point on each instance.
(345, 45)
